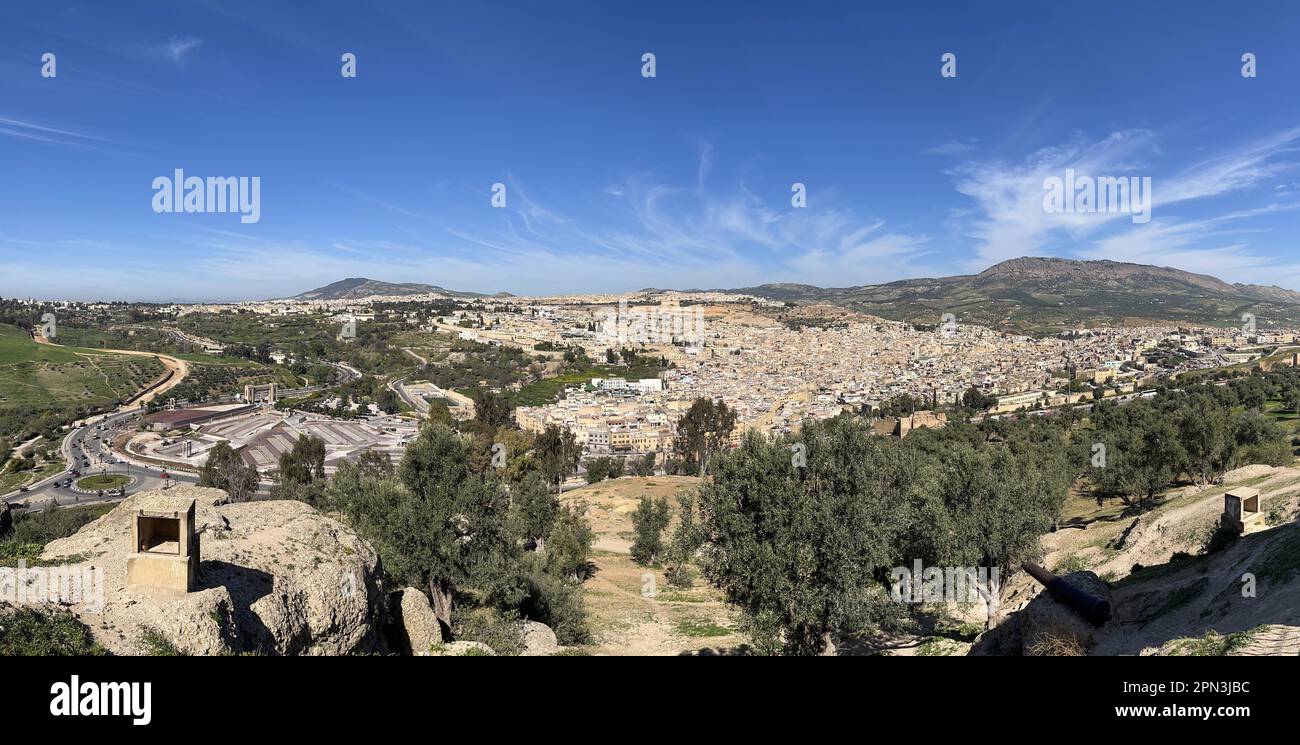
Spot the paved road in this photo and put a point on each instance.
(418, 403)
(90, 455)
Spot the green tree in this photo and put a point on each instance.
(376, 464)
(799, 549)
(225, 469)
(387, 402)
(975, 400)
(569, 543)
(1205, 432)
(648, 522)
(683, 545)
(703, 431)
(557, 452)
(437, 525)
(533, 510)
(305, 461)
(492, 410)
(1293, 400)
(645, 466)
(597, 469)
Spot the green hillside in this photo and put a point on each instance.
(34, 374)
(1047, 295)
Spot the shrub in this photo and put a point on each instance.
(500, 630)
(557, 603)
(29, 632)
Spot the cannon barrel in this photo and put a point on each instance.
(1093, 609)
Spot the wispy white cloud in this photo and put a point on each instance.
(706, 235)
(1009, 220)
(25, 130)
(178, 47)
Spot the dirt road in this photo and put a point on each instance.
(178, 367)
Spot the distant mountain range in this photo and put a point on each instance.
(1028, 295)
(355, 288)
(1042, 295)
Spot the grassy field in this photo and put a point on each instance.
(632, 609)
(249, 328)
(34, 374)
(11, 480)
(102, 481)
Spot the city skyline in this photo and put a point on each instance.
(615, 181)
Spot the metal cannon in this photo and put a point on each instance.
(1094, 610)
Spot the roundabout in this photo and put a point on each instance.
(102, 482)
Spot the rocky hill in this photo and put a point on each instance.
(355, 288)
(1169, 594)
(276, 577)
(1046, 295)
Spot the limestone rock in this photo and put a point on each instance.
(1045, 627)
(462, 649)
(413, 617)
(275, 577)
(539, 640)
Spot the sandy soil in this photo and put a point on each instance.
(632, 609)
(1192, 596)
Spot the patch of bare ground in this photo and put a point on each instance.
(1170, 597)
(632, 609)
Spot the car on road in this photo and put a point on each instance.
(22, 488)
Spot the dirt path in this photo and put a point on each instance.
(178, 367)
(1174, 607)
(1275, 641)
(632, 609)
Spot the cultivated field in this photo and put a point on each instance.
(34, 374)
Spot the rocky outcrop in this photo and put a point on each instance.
(275, 577)
(539, 640)
(1045, 626)
(414, 621)
(462, 649)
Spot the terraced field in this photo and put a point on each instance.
(34, 374)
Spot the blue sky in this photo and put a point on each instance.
(617, 182)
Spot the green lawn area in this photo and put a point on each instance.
(34, 374)
(16, 347)
(103, 481)
(11, 480)
(1284, 417)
